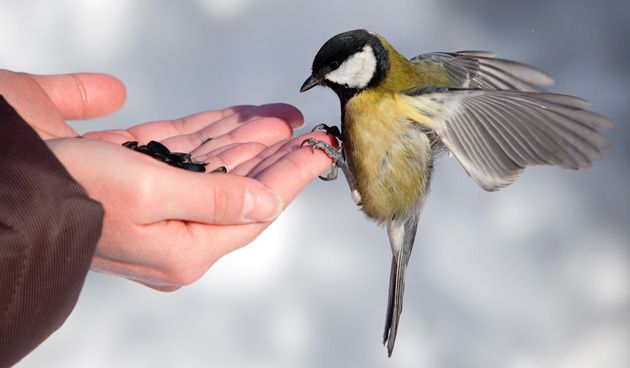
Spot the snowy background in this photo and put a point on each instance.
(537, 275)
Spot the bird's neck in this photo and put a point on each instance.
(403, 75)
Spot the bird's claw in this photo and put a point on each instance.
(332, 175)
(310, 141)
(333, 153)
(332, 130)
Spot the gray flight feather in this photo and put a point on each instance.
(496, 134)
(480, 69)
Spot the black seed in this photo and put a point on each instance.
(219, 170)
(158, 147)
(131, 144)
(144, 150)
(193, 167)
(170, 159)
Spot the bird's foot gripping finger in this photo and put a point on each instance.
(334, 153)
(332, 130)
(339, 161)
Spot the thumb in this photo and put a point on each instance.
(83, 95)
(221, 199)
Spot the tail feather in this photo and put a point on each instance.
(402, 233)
(390, 301)
(394, 304)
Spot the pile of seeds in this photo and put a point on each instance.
(178, 159)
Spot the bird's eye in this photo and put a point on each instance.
(334, 65)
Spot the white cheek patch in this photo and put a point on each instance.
(356, 71)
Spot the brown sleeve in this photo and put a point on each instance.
(48, 232)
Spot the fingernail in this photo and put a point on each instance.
(261, 204)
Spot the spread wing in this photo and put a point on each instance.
(480, 69)
(496, 134)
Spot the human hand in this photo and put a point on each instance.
(164, 226)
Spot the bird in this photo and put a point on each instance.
(398, 115)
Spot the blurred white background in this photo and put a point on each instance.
(537, 275)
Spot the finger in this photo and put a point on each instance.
(222, 199)
(199, 127)
(273, 121)
(231, 156)
(288, 175)
(267, 131)
(276, 152)
(160, 130)
(246, 167)
(83, 95)
(283, 111)
(291, 116)
(163, 129)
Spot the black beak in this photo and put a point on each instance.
(310, 82)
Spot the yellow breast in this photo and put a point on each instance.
(388, 152)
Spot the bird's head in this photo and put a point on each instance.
(348, 63)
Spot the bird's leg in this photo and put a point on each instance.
(339, 161)
(356, 196)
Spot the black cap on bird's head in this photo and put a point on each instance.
(349, 62)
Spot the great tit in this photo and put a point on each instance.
(491, 114)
